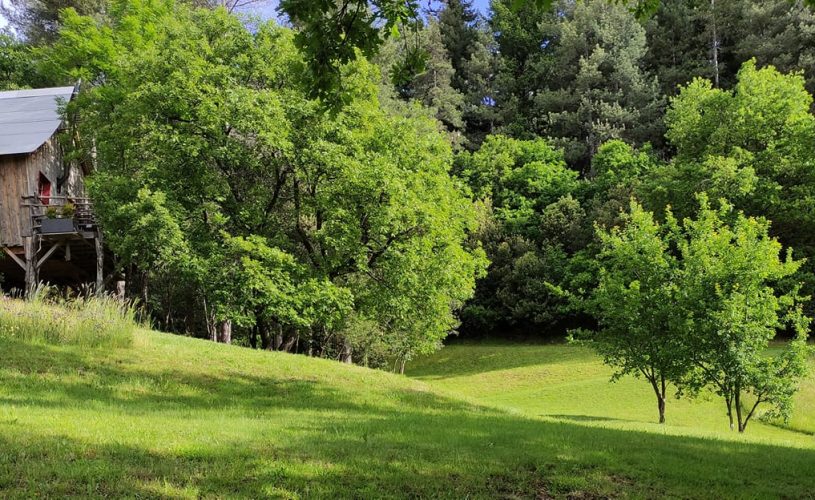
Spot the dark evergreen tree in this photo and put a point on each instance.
(598, 89)
(417, 67)
(776, 32)
(38, 20)
(459, 33)
(526, 40)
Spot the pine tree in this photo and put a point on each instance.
(417, 67)
(459, 34)
(599, 90)
(778, 33)
(481, 113)
(38, 20)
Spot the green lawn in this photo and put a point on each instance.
(569, 383)
(179, 418)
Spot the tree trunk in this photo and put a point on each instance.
(347, 353)
(225, 331)
(402, 366)
(659, 387)
(263, 331)
(210, 322)
(729, 401)
(253, 337)
(715, 44)
(661, 407)
(740, 420)
(286, 347)
(278, 338)
(145, 293)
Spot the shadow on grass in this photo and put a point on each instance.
(408, 444)
(472, 358)
(587, 418)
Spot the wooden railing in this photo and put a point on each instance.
(83, 216)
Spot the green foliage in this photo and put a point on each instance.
(639, 324)
(578, 77)
(332, 34)
(238, 198)
(733, 309)
(682, 33)
(531, 227)
(752, 145)
(16, 63)
(39, 21)
(697, 304)
(460, 35)
(419, 69)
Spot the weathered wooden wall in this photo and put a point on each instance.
(14, 184)
(18, 177)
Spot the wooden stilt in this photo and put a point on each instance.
(30, 246)
(48, 255)
(15, 258)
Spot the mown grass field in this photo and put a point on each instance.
(179, 418)
(570, 383)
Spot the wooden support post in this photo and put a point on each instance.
(15, 258)
(100, 264)
(48, 254)
(31, 278)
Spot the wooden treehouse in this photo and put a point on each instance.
(48, 231)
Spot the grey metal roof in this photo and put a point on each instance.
(28, 118)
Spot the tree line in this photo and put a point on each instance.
(638, 181)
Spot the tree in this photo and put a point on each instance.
(598, 89)
(751, 144)
(638, 324)
(330, 33)
(482, 115)
(459, 34)
(531, 227)
(38, 21)
(16, 63)
(777, 33)
(473, 55)
(682, 36)
(678, 43)
(419, 69)
(696, 304)
(733, 307)
(291, 220)
(525, 40)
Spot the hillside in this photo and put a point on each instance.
(180, 418)
(570, 383)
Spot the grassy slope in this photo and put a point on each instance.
(176, 417)
(570, 383)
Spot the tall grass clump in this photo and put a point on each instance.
(87, 321)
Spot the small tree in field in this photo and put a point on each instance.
(733, 309)
(697, 305)
(634, 304)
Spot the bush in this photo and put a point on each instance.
(92, 322)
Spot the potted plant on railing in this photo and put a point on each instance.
(58, 221)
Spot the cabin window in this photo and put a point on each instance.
(44, 189)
